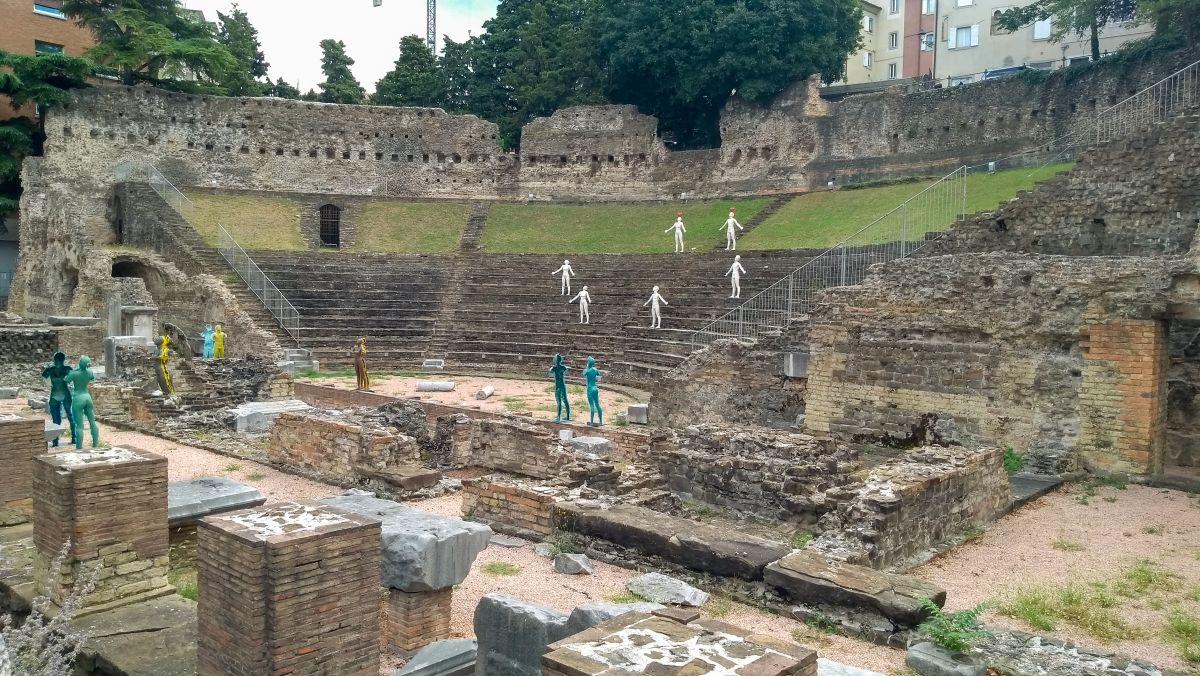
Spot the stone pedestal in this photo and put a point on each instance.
(289, 588)
(111, 505)
(21, 440)
(413, 620)
(138, 321)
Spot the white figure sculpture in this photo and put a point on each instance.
(584, 299)
(655, 310)
(730, 237)
(679, 230)
(567, 274)
(736, 270)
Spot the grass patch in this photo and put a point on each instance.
(718, 606)
(410, 227)
(1064, 545)
(822, 219)
(1183, 630)
(609, 228)
(327, 373)
(1088, 488)
(501, 568)
(255, 221)
(702, 510)
(1013, 461)
(1154, 529)
(822, 624)
(626, 596)
(1145, 577)
(972, 534)
(255, 476)
(184, 581)
(233, 467)
(1088, 607)
(515, 404)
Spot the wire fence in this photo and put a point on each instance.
(255, 279)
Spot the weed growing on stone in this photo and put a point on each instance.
(1013, 461)
(501, 568)
(718, 606)
(1183, 630)
(565, 542)
(184, 581)
(953, 631)
(801, 539)
(1064, 545)
(822, 623)
(700, 510)
(1088, 488)
(43, 645)
(255, 476)
(973, 533)
(233, 467)
(626, 596)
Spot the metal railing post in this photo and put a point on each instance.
(843, 278)
(903, 228)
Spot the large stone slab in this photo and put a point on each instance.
(8, 393)
(256, 417)
(152, 638)
(591, 614)
(596, 447)
(830, 668)
(191, 500)
(421, 551)
(513, 635)
(929, 660)
(638, 414)
(452, 657)
(71, 321)
(661, 588)
(698, 546)
(809, 577)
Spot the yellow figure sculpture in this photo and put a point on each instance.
(360, 364)
(164, 378)
(218, 343)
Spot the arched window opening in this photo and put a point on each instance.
(331, 225)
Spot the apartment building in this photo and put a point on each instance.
(38, 26)
(957, 42)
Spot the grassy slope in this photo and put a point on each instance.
(410, 227)
(608, 228)
(823, 219)
(255, 221)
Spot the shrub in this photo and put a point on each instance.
(1013, 461)
(953, 631)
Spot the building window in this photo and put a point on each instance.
(964, 3)
(927, 6)
(49, 8)
(868, 59)
(869, 23)
(1078, 59)
(893, 40)
(1041, 29)
(960, 81)
(963, 37)
(894, 7)
(331, 225)
(893, 71)
(47, 47)
(926, 42)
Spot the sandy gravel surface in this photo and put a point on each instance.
(1116, 529)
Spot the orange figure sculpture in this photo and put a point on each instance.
(360, 365)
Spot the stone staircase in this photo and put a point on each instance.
(759, 217)
(473, 232)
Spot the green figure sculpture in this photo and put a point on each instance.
(559, 371)
(60, 394)
(591, 374)
(81, 401)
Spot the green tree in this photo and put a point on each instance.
(458, 75)
(44, 80)
(415, 81)
(281, 89)
(1079, 17)
(339, 86)
(1173, 17)
(240, 37)
(153, 41)
(682, 61)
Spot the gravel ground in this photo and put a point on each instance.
(1116, 529)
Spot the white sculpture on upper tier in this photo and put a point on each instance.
(584, 299)
(567, 274)
(655, 310)
(736, 270)
(730, 237)
(677, 226)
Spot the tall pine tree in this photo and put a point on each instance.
(339, 86)
(416, 79)
(240, 37)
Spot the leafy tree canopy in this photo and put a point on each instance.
(1173, 18)
(339, 86)
(1079, 17)
(416, 79)
(281, 90)
(240, 37)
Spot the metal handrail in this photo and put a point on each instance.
(1169, 96)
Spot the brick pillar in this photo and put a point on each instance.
(1123, 397)
(289, 588)
(112, 506)
(413, 620)
(21, 440)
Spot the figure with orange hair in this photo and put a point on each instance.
(677, 226)
(730, 236)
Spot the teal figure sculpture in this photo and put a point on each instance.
(559, 371)
(81, 401)
(60, 394)
(209, 341)
(591, 374)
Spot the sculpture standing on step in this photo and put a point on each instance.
(60, 395)
(730, 237)
(208, 341)
(655, 310)
(735, 274)
(218, 343)
(81, 401)
(360, 365)
(679, 230)
(559, 371)
(590, 375)
(585, 299)
(164, 376)
(567, 274)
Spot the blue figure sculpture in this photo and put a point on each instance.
(60, 394)
(559, 371)
(591, 374)
(81, 403)
(209, 341)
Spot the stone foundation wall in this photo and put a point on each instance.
(318, 395)
(413, 620)
(509, 506)
(27, 345)
(340, 447)
(21, 440)
(910, 505)
(515, 446)
(111, 401)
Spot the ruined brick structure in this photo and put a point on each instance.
(510, 506)
(413, 620)
(342, 447)
(27, 344)
(21, 440)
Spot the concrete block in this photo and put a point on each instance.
(928, 659)
(589, 615)
(8, 393)
(485, 392)
(71, 321)
(433, 364)
(596, 447)
(53, 431)
(421, 551)
(566, 435)
(665, 589)
(638, 414)
(256, 417)
(513, 635)
(453, 657)
(37, 403)
(435, 386)
(191, 500)
(572, 564)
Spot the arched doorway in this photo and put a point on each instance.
(331, 225)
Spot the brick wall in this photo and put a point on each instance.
(27, 345)
(21, 440)
(508, 506)
(338, 447)
(318, 395)
(111, 401)
(413, 620)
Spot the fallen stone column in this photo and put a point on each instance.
(435, 386)
(485, 392)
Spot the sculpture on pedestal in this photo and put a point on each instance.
(60, 395)
(208, 341)
(736, 270)
(585, 299)
(677, 226)
(219, 343)
(655, 310)
(730, 237)
(590, 375)
(559, 371)
(164, 376)
(567, 274)
(81, 401)
(360, 365)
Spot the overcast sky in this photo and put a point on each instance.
(290, 31)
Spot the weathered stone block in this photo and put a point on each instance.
(591, 614)
(572, 564)
(928, 659)
(665, 589)
(513, 635)
(453, 657)
(596, 447)
(256, 417)
(191, 500)
(638, 414)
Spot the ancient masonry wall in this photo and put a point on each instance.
(340, 447)
(21, 440)
(111, 402)
(413, 620)
(27, 345)
(507, 506)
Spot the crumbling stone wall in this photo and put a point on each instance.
(1181, 439)
(520, 448)
(509, 506)
(27, 345)
(914, 503)
(342, 446)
